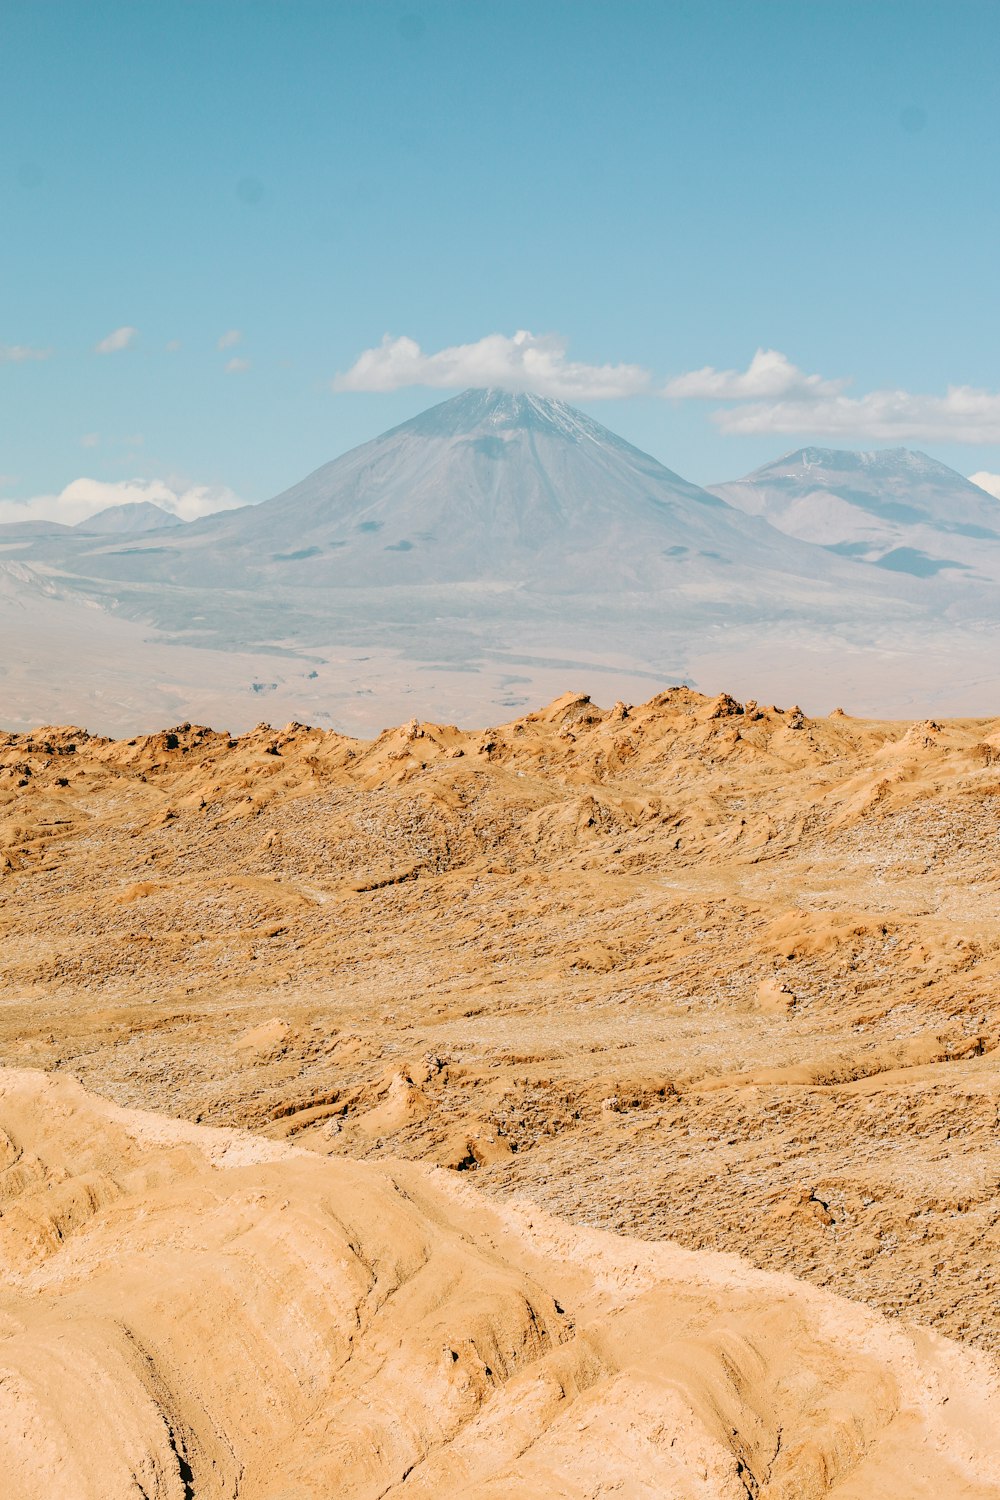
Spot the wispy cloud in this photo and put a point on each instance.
(988, 482)
(83, 498)
(774, 396)
(229, 339)
(172, 346)
(769, 375)
(963, 415)
(90, 440)
(19, 354)
(118, 339)
(237, 366)
(527, 361)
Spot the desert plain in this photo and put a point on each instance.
(602, 1102)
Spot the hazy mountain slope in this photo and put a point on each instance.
(15, 530)
(487, 486)
(514, 487)
(118, 520)
(895, 507)
(513, 541)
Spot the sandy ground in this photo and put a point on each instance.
(698, 971)
(188, 1311)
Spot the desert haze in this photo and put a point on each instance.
(604, 1101)
(469, 562)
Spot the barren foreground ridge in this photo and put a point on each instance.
(716, 977)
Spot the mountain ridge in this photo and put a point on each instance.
(131, 517)
(479, 552)
(481, 485)
(876, 506)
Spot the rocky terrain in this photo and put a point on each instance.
(699, 971)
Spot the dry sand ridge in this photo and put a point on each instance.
(698, 969)
(188, 1311)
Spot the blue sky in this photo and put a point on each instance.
(663, 187)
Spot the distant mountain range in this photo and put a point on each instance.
(898, 509)
(493, 548)
(487, 487)
(509, 488)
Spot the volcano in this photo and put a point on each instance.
(486, 487)
(893, 507)
(490, 551)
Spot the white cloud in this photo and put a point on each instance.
(237, 366)
(988, 482)
(775, 396)
(120, 338)
(230, 339)
(525, 362)
(963, 415)
(18, 354)
(769, 375)
(772, 395)
(90, 440)
(83, 498)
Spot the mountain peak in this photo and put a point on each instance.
(504, 486)
(894, 506)
(492, 409)
(134, 516)
(882, 461)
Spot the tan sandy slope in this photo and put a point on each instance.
(188, 1311)
(694, 970)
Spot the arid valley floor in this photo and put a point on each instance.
(709, 976)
